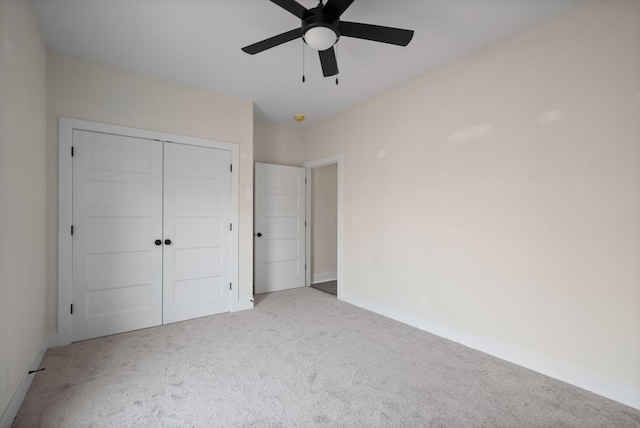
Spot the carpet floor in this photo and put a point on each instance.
(299, 359)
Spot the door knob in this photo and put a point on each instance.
(167, 242)
(259, 234)
(158, 242)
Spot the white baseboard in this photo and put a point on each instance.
(51, 341)
(245, 304)
(598, 384)
(324, 277)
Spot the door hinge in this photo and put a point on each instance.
(71, 151)
(71, 230)
(72, 309)
(231, 167)
(230, 286)
(230, 226)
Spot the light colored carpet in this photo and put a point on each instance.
(299, 359)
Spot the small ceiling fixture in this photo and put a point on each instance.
(321, 28)
(320, 38)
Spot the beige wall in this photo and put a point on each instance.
(89, 90)
(505, 189)
(277, 144)
(324, 227)
(23, 91)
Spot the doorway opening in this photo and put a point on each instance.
(324, 224)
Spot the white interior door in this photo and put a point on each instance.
(197, 235)
(117, 217)
(279, 227)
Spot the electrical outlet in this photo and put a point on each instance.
(424, 303)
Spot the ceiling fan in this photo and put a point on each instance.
(321, 28)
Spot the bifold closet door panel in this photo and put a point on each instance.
(197, 239)
(117, 218)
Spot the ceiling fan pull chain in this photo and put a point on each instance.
(337, 52)
(303, 77)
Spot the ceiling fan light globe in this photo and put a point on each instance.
(320, 38)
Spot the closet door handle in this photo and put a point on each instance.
(167, 242)
(259, 234)
(158, 242)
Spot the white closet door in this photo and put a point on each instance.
(197, 261)
(117, 217)
(279, 227)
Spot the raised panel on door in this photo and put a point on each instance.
(279, 227)
(197, 263)
(117, 216)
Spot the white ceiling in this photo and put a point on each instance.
(197, 42)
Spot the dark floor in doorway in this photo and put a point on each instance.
(330, 287)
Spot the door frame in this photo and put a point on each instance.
(66, 126)
(328, 160)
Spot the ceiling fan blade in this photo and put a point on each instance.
(291, 6)
(377, 33)
(336, 8)
(328, 62)
(272, 42)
